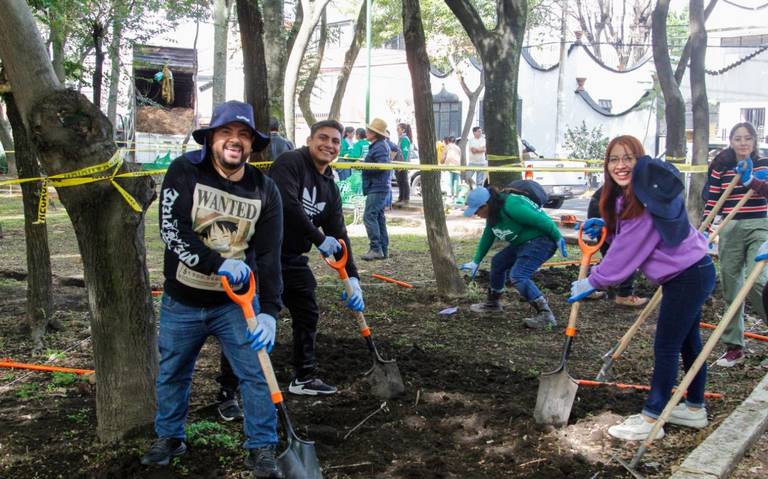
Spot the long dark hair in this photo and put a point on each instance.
(632, 206)
(727, 156)
(495, 205)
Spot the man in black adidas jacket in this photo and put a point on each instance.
(311, 201)
(219, 217)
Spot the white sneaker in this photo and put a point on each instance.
(682, 415)
(634, 428)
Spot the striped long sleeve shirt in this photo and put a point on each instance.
(719, 180)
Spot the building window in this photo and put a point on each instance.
(607, 104)
(447, 109)
(756, 116)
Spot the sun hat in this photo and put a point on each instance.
(476, 199)
(379, 126)
(229, 112)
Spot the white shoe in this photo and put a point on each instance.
(682, 415)
(634, 428)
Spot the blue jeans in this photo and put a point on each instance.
(454, 180)
(520, 262)
(375, 222)
(677, 332)
(183, 330)
(478, 176)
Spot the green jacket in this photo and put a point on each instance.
(405, 147)
(520, 220)
(358, 150)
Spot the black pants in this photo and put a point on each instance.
(299, 286)
(403, 186)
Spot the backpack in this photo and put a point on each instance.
(532, 190)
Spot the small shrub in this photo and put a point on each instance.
(211, 434)
(585, 143)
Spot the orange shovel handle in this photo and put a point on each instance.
(588, 250)
(340, 265)
(245, 300)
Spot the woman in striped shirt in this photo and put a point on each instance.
(741, 238)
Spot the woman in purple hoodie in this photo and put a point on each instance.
(643, 208)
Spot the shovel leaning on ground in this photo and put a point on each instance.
(384, 376)
(682, 388)
(299, 460)
(557, 389)
(618, 349)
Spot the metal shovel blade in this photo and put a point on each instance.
(299, 461)
(557, 391)
(384, 379)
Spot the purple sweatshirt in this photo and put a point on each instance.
(637, 245)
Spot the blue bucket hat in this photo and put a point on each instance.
(476, 199)
(228, 112)
(658, 186)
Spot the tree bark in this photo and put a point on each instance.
(499, 50)
(449, 282)
(699, 106)
(39, 283)
(682, 64)
(6, 139)
(221, 10)
(305, 95)
(254, 61)
(58, 40)
(349, 62)
(98, 72)
(312, 9)
(275, 53)
(114, 76)
(69, 133)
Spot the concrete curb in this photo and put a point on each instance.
(719, 454)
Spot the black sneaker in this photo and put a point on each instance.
(229, 408)
(263, 463)
(310, 387)
(162, 450)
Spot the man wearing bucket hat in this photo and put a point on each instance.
(643, 209)
(312, 213)
(219, 216)
(376, 188)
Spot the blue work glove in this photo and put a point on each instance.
(264, 334)
(329, 246)
(236, 271)
(563, 248)
(472, 267)
(744, 168)
(762, 253)
(580, 289)
(355, 302)
(761, 175)
(593, 227)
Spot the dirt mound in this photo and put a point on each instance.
(175, 121)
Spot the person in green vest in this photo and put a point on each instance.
(346, 146)
(532, 239)
(358, 151)
(404, 188)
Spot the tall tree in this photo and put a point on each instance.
(6, 139)
(305, 94)
(350, 57)
(221, 10)
(312, 9)
(69, 133)
(114, 74)
(699, 103)
(278, 42)
(97, 33)
(39, 283)
(499, 49)
(254, 60)
(474, 97)
(626, 30)
(449, 282)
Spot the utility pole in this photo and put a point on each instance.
(559, 115)
(368, 62)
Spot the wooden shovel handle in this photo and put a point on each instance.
(723, 198)
(365, 331)
(586, 257)
(730, 216)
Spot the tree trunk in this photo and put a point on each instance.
(254, 60)
(305, 95)
(220, 30)
(98, 71)
(499, 50)
(686, 54)
(449, 282)
(114, 76)
(674, 105)
(6, 139)
(39, 285)
(349, 62)
(560, 107)
(474, 96)
(275, 53)
(699, 106)
(70, 133)
(312, 9)
(58, 40)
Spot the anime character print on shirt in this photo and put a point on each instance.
(224, 223)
